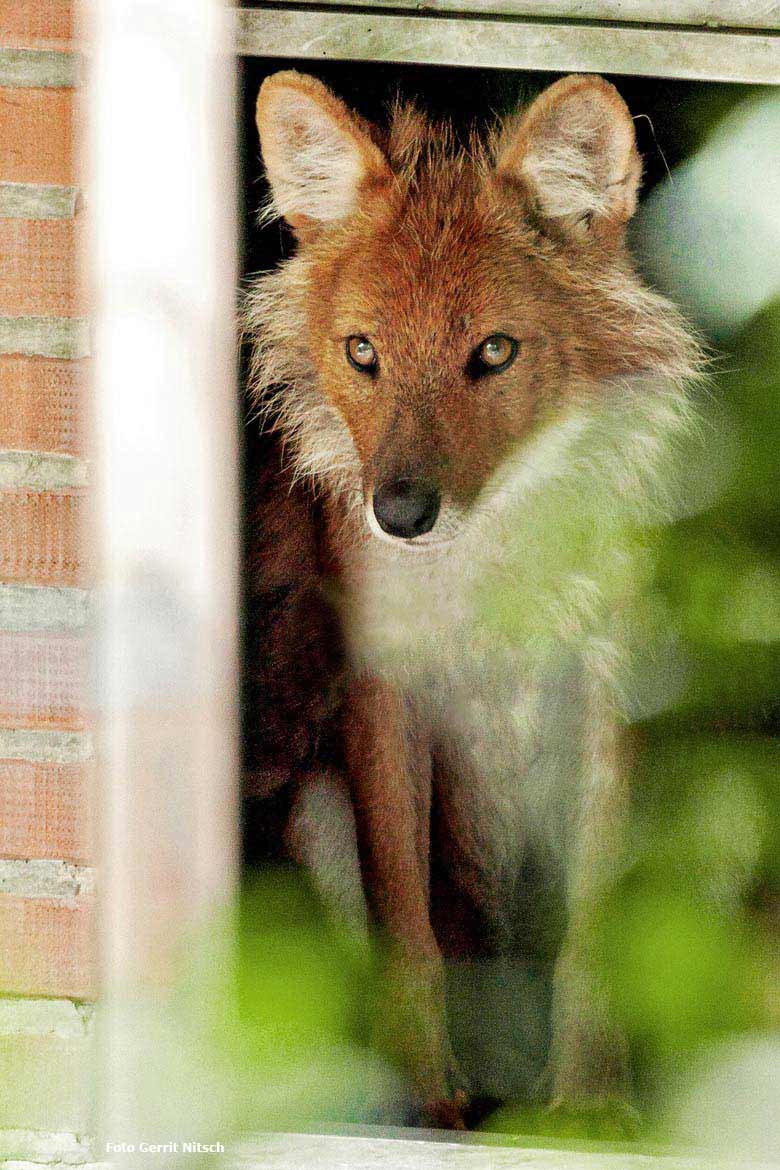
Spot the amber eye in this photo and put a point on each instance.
(361, 354)
(495, 353)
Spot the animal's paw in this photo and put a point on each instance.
(446, 1112)
(596, 1119)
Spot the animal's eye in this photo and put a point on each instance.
(362, 355)
(494, 354)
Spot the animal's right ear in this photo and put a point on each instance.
(319, 156)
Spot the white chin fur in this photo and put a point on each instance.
(427, 543)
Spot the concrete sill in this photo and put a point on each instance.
(416, 1150)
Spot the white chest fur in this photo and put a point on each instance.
(510, 713)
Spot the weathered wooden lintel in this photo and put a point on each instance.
(507, 42)
(713, 14)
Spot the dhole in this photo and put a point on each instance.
(459, 356)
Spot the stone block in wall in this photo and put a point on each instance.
(46, 1073)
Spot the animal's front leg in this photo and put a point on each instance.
(589, 1060)
(389, 762)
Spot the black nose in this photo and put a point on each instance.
(406, 507)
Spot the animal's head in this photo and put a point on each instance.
(447, 302)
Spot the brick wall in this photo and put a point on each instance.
(46, 881)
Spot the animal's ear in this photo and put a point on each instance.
(574, 154)
(319, 157)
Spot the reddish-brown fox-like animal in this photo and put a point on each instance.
(460, 355)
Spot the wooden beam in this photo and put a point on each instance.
(711, 14)
(508, 43)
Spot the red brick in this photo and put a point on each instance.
(47, 947)
(41, 537)
(46, 811)
(36, 24)
(37, 135)
(42, 404)
(43, 681)
(38, 259)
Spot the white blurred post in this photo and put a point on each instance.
(161, 190)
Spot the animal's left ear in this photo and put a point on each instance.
(574, 155)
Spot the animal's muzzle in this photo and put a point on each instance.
(406, 507)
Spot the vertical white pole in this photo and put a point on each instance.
(161, 190)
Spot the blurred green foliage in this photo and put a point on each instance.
(692, 933)
(689, 938)
(289, 1014)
